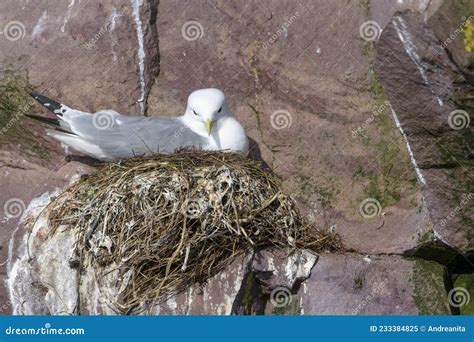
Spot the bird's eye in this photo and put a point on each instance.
(195, 112)
(220, 110)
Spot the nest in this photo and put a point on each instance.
(170, 221)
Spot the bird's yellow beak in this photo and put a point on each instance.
(208, 123)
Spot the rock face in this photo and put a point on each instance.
(447, 23)
(42, 281)
(82, 52)
(22, 181)
(300, 92)
(410, 61)
(355, 125)
(381, 285)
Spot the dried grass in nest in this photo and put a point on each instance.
(170, 221)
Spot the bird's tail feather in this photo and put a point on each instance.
(51, 105)
(78, 143)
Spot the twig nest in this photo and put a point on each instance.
(170, 221)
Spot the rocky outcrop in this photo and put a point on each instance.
(366, 153)
(22, 181)
(448, 24)
(87, 54)
(349, 284)
(420, 82)
(44, 281)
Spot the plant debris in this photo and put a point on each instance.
(163, 223)
(14, 102)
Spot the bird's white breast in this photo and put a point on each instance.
(230, 135)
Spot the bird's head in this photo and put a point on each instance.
(207, 106)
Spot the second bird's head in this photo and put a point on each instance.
(207, 106)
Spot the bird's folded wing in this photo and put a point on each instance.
(120, 136)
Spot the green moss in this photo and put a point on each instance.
(459, 198)
(358, 282)
(366, 7)
(469, 223)
(464, 99)
(455, 149)
(372, 190)
(15, 103)
(426, 238)
(310, 187)
(466, 281)
(368, 50)
(248, 293)
(429, 248)
(395, 176)
(463, 8)
(359, 174)
(376, 88)
(251, 298)
(384, 189)
(429, 288)
(470, 65)
(291, 309)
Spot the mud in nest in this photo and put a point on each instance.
(164, 223)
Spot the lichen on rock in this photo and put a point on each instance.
(429, 288)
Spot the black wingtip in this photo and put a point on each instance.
(52, 122)
(51, 105)
(49, 121)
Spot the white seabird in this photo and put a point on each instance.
(207, 124)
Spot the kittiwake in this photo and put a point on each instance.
(208, 124)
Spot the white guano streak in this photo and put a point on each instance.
(136, 4)
(68, 16)
(410, 152)
(410, 49)
(113, 19)
(40, 25)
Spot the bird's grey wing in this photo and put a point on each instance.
(123, 136)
